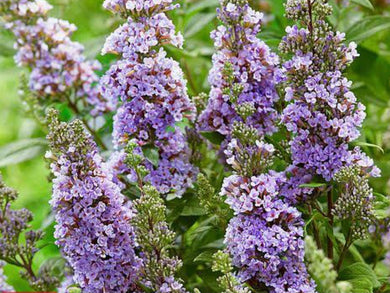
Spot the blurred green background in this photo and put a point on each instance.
(21, 154)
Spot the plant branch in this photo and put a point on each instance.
(76, 110)
(315, 229)
(347, 244)
(330, 216)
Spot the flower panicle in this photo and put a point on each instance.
(139, 8)
(243, 77)
(155, 239)
(93, 228)
(151, 91)
(323, 113)
(59, 70)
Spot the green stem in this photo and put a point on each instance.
(348, 243)
(379, 253)
(309, 5)
(315, 229)
(330, 216)
(76, 110)
(190, 79)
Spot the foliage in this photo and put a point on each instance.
(182, 233)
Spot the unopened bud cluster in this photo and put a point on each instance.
(228, 282)
(355, 202)
(155, 238)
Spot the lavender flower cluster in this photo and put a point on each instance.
(93, 226)
(59, 71)
(152, 91)
(323, 113)
(114, 245)
(252, 77)
(265, 239)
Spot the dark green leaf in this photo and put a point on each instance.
(192, 208)
(368, 27)
(214, 137)
(206, 256)
(218, 244)
(55, 265)
(381, 206)
(199, 233)
(151, 154)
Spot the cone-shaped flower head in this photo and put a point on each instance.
(59, 70)
(93, 226)
(150, 90)
(244, 74)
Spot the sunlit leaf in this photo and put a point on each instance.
(197, 23)
(21, 151)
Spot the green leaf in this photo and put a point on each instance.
(371, 145)
(364, 3)
(362, 285)
(360, 272)
(205, 256)
(217, 244)
(381, 198)
(213, 136)
(381, 206)
(367, 27)
(6, 45)
(200, 5)
(199, 233)
(312, 185)
(315, 216)
(192, 208)
(55, 265)
(355, 252)
(21, 151)
(151, 155)
(330, 233)
(48, 221)
(197, 23)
